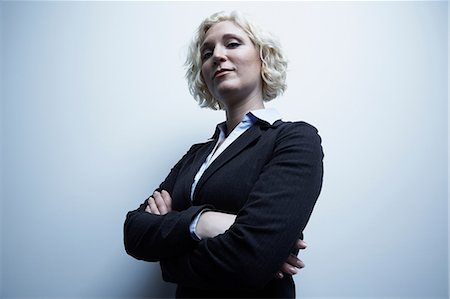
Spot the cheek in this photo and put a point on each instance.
(205, 72)
(254, 62)
(204, 76)
(258, 65)
(255, 66)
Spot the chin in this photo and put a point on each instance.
(227, 89)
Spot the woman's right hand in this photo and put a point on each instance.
(160, 203)
(293, 262)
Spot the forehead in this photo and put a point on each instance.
(224, 28)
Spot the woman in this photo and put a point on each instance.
(230, 214)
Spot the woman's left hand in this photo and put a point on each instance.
(160, 203)
(292, 263)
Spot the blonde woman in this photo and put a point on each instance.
(228, 219)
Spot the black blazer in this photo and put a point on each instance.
(270, 177)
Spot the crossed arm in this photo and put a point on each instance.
(212, 224)
(265, 230)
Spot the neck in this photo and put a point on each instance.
(236, 112)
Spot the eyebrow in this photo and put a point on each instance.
(225, 36)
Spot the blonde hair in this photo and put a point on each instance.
(273, 62)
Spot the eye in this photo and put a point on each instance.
(232, 45)
(206, 54)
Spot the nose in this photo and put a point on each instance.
(219, 55)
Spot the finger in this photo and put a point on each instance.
(279, 275)
(147, 209)
(167, 199)
(300, 244)
(287, 268)
(159, 201)
(153, 207)
(295, 261)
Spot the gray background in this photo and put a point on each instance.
(95, 111)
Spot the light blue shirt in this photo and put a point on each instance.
(267, 115)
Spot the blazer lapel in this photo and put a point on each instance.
(198, 160)
(229, 153)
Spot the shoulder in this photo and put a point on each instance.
(198, 147)
(193, 151)
(207, 142)
(296, 128)
(298, 136)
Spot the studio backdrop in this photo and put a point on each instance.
(95, 111)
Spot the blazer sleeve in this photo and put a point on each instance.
(154, 237)
(278, 208)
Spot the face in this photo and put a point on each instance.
(231, 66)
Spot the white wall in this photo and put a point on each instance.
(95, 111)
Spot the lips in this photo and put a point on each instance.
(221, 72)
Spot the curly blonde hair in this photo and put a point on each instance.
(273, 62)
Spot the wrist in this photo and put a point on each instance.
(212, 224)
(202, 225)
(193, 225)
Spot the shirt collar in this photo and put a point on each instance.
(269, 115)
(247, 121)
